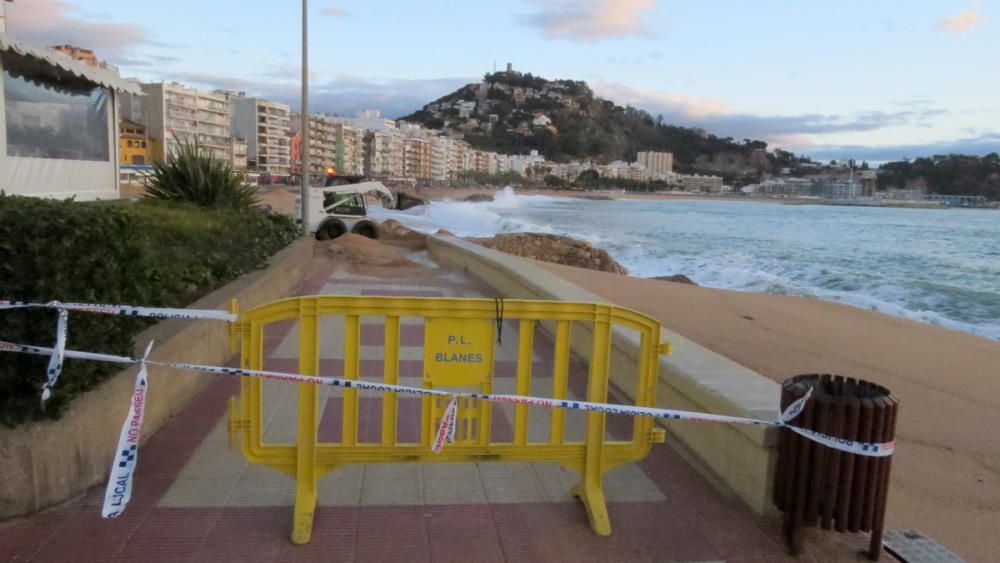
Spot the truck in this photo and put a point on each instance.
(341, 206)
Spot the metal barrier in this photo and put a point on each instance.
(459, 336)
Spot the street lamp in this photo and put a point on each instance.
(304, 119)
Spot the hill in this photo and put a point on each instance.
(513, 113)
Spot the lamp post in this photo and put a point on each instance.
(304, 119)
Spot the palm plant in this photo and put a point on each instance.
(193, 175)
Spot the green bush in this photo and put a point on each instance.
(193, 175)
(146, 253)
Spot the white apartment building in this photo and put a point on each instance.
(383, 154)
(372, 120)
(264, 124)
(657, 164)
(175, 113)
(350, 149)
(322, 143)
(522, 163)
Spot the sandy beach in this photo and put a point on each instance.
(946, 471)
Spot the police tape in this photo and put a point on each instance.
(122, 475)
(125, 310)
(62, 327)
(850, 446)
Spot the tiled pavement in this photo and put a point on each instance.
(197, 500)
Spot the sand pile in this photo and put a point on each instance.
(363, 251)
(397, 234)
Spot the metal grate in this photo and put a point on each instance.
(911, 546)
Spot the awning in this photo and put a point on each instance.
(97, 75)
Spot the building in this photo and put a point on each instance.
(383, 154)
(133, 145)
(239, 153)
(265, 125)
(350, 149)
(322, 144)
(698, 183)
(417, 158)
(85, 56)
(174, 113)
(59, 134)
(658, 164)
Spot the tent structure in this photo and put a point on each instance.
(58, 124)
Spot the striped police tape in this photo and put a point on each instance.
(120, 481)
(62, 328)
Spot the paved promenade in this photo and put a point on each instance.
(197, 500)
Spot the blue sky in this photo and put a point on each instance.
(831, 79)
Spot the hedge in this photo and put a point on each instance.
(140, 253)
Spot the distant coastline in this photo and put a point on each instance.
(461, 192)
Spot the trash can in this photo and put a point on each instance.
(816, 485)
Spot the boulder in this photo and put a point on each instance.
(676, 278)
(554, 248)
(476, 198)
(405, 201)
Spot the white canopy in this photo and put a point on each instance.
(97, 75)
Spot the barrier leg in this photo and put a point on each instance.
(591, 489)
(305, 470)
(308, 405)
(591, 492)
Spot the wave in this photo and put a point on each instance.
(756, 248)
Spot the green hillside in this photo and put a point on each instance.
(503, 114)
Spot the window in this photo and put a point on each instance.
(142, 144)
(129, 144)
(53, 116)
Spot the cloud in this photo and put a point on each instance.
(590, 21)
(962, 21)
(716, 118)
(980, 145)
(335, 12)
(52, 22)
(344, 95)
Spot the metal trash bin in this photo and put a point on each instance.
(816, 485)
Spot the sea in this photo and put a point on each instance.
(937, 266)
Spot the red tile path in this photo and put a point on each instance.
(694, 522)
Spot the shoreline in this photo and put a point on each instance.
(461, 192)
(946, 474)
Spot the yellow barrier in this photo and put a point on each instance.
(459, 336)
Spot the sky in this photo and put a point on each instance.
(829, 79)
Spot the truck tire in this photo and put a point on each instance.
(365, 229)
(330, 229)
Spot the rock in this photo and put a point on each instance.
(405, 201)
(555, 249)
(676, 278)
(475, 198)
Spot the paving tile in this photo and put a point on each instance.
(462, 490)
(247, 534)
(170, 534)
(333, 537)
(392, 533)
(391, 484)
(511, 483)
(463, 533)
(342, 486)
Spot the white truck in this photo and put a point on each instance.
(338, 209)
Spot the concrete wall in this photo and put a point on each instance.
(739, 458)
(49, 462)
